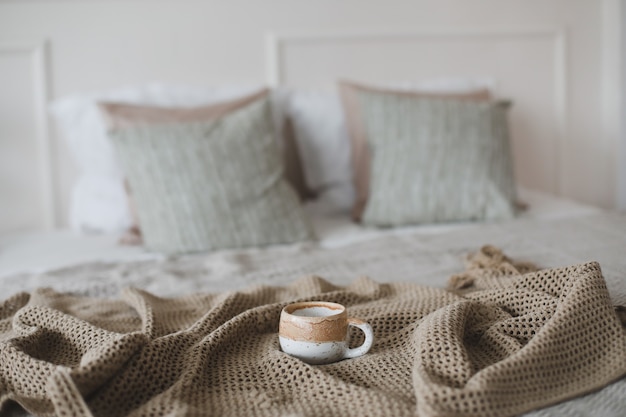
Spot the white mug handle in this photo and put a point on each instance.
(367, 344)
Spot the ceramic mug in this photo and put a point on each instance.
(316, 332)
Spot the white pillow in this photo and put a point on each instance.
(324, 144)
(322, 138)
(98, 202)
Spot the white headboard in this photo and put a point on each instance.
(539, 91)
(27, 175)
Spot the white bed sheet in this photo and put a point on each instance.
(36, 252)
(337, 231)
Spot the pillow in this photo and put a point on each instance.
(321, 137)
(98, 200)
(206, 178)
(359, 142)
(293, 162)
(435, 159)
(323, 140)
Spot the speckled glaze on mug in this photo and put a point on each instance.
(316, 331)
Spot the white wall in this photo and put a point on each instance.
(97, 45)
(621, 112)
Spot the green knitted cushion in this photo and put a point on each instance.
(437, 160)
(208, 185)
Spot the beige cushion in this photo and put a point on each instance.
(358, 138)
(206, 178)
(122, 115)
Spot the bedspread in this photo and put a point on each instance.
(503, 340)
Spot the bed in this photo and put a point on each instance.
(196, 332)
(427, 257)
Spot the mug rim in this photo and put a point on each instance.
(290, 308)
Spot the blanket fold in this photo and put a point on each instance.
(504, 339)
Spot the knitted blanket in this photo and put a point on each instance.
(502, 340)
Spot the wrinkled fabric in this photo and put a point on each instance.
(509, 340)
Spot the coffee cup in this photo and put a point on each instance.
(316, 332)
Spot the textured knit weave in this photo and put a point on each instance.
(436, 160)
(211, 185)
(509, 343)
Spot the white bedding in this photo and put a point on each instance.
(40, 251)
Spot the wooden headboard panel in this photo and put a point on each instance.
(526, 65)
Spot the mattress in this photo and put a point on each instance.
(36, 252)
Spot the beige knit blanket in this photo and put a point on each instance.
(503, 340)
